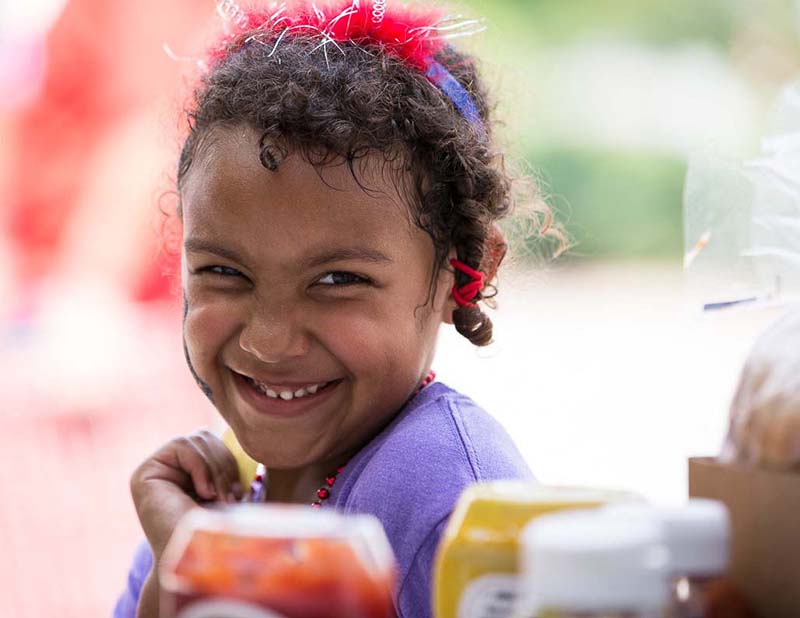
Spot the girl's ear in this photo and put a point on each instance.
(494, 252)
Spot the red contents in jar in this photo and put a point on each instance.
(295, 578)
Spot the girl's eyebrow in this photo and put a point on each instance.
(204, 246)
(333, 255)
(347, 253)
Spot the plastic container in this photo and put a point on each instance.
(269, 561)
(697, 536)
(476, 569)
(583, 564)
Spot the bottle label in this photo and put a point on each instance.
(221, 608)
(489, 596)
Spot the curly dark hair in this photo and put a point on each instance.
(355, 100)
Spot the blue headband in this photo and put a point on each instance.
(449, 85)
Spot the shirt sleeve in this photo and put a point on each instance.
(129, 599)
(415, 596)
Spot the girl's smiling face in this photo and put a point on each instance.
(307, 299)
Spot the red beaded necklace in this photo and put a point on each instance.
(258, 487)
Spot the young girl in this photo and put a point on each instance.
(339, 190)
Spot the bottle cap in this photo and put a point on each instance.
(696, 534)
(584, 561)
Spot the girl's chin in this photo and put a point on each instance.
(272, 450)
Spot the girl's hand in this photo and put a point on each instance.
(182, 475)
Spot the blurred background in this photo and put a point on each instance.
(605, 371)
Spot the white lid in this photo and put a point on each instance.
(273, 521)
(697, 534)
(582, 561)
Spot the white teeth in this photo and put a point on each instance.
(287, 395)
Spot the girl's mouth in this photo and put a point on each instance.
(283, 400)
(287, 394)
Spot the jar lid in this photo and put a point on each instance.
(582, 561)
(697, 534)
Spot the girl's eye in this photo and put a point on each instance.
(224, 271)
(341, 278)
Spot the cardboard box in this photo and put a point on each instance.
(765, 519)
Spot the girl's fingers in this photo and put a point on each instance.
(201, 462)
(220, 486)
(224, 469)
(170, 482)
(192, 460)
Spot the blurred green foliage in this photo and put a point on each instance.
(615, 204)
(649, 21)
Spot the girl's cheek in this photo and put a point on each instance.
(361, 336)
(207, 327)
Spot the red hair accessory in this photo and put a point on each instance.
(413, 35)
(466, 293)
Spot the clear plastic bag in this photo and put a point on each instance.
(742, 218)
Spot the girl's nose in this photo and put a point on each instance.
(274, 338)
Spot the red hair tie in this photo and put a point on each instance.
(463, 295)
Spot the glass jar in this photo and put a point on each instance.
(277, 561)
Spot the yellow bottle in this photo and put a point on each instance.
(476, 569)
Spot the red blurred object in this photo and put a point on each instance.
(105, 64)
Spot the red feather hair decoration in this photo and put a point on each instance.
(414, 35)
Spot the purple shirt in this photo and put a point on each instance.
(409, 476)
